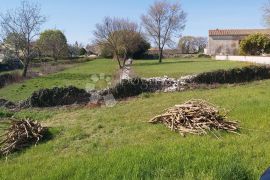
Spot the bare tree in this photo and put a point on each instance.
(266, 13)
(163, 21)
(25, 22)
(191, 44)
(117, 34)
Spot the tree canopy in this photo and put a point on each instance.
(20, 26)
(118, 35)
(53, 43)
(163, 22)
(191, 44)
(255, 44)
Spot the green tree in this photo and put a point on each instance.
(120, 35)
(142, 48)
(15, 41)
(53, 43)
(131, 45)
(23, 24)
(82, 51)
(255, 44)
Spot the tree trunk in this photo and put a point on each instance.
(118, 60)
(25, 69)
(124, 60)
(160, 55)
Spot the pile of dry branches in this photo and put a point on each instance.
(195, 117)
(21, 134)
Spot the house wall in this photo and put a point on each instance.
(224, 45)
(252, 59)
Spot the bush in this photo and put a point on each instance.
(83, 52)
(255, 44)
(203, 56)
(236, 75)
(9, 78)
(129, 88)
(12, 63)
(58, 97)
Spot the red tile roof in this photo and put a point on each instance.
(237, 32)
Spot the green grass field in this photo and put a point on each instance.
(179, 67)
(78, 76)
(118, 143)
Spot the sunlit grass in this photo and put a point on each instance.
(180, 67)
(119, 143)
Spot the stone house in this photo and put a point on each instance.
(227, 41)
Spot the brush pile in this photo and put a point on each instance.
(21, 134)
(195, 117)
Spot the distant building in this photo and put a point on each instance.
(227, 41)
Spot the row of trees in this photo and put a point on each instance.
(22, 25)
(20, 29)
(123, 38)
(191, 44)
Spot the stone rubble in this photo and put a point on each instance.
(166, 84)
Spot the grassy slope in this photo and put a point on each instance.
(176, 68)
(78, 76)
(118, 143)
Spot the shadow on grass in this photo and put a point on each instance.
(50, 134)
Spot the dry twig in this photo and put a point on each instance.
(195, 117)
(21, 134)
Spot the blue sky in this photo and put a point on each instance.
(77, 18)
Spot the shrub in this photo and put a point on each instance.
(12, 62)
(255, 44)
(83, 52)
(9, 78)
(58, 96)
(203, 56)
(129, 88)
(236, 75)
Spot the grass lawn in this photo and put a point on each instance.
(78, 76)
(176, 68)
(118, 143)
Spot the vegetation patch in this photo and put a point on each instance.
(9, 78)
(235, 75)
(57, 97)
(7, 104)
(129, 88)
